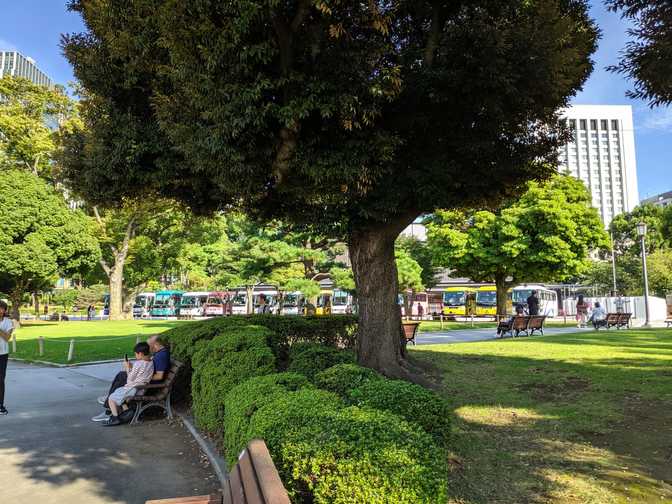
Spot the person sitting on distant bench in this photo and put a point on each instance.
(506, 325)
(137, 374)
(161, 361)
(599, 316)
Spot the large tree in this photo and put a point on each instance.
(349, 118)
(31, 118)
(545, 235)
(40, 237)
(647, 57)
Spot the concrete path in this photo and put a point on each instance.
(468, 335)
(51, 453)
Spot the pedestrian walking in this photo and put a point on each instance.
(581, 312)
(6, 329)
(533, 303)
(421, 311)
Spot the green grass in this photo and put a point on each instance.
(576, 418)
(95, 340)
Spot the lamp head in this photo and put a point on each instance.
(641, 229)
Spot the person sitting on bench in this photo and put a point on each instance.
(137, 374)
(599, 316)
(506, 325)
(161, 361)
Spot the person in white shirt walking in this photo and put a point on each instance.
(139, 373)
(6, 329)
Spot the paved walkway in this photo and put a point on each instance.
(468, 335)
(51, 453)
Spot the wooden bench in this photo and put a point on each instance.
(156, 394)
(253, 480)
(618, 320)
(612, 320)
(536, 323)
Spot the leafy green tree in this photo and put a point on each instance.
(422, 254)
(40, 238)
(91, 295)
(545, 235)
(347, 118)
(65, 297)
(343, 278)
(623, 229)
(647, 57)
(30, 119)
(409, 276)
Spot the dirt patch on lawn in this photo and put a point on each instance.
(564, 389)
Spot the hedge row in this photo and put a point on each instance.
(334, 331)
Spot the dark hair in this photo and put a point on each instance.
(597, 304)
(4, 305)
(581, 298)
(142, 348)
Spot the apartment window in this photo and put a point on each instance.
(593, 124)
(603, 124)
(614, 124)
(583, 124)
(572, 124)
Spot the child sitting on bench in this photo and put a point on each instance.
(139, 373)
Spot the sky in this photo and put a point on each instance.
(34, 28)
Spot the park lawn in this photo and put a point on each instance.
(94, 340)
(576, 418)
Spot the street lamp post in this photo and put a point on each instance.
(641, 231)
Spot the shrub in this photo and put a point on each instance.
(311, 358)
(337, 331)
(246, 398)
(408, 400)
(326, 453)
(222, 363)
(342, 378)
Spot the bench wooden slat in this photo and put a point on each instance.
(200, 499)
(271, 484)
(227, 497)
(237, 490)
(249, 479)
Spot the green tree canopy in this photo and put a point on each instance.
(40, 238)
(545, 235)
(351, 118)
(31, 119)
(623, 229)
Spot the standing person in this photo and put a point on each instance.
(6, 329)
(262, 304)
(581, 311)
(421, 311)
(533, 303)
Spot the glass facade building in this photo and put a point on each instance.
(17, 65)
(602, 155)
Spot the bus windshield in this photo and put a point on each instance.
(215, 300)
(290, 300)
(340, 298)
(453, 298)
(486, 298)
(239, 300)
(520, 296)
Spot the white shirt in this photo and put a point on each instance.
(6, 325)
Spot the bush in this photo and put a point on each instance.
(408, 400)
(311, 358)
(222, 363)
(326, 453)
(336, 331)
(342, 378)
(246, 398)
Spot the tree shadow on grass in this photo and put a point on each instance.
(531, 430)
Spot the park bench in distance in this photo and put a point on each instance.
(527, 324)
(618, 320)
(156, 394)
(253, 480)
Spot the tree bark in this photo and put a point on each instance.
(375, 272)
(15, 298)
(502, 295)
(249, 299)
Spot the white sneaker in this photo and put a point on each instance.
(101, 418)
(102, 399)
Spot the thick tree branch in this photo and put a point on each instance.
(434, 34)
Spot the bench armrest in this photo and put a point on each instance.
(151, 386)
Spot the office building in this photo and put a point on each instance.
(17, 65)
(662, 200)
(602, 155)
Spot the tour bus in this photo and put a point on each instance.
(166, 303)
(459, 301)
(342, 302)
(217, 303)
(323, 305)
(548, 299)
(292, 303)
(192, 304)
(486, 301)
(143, 304)
(239, 305)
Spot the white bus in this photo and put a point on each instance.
(548, 299)
(143, 303)
(192, 304)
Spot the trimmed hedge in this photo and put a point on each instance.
(222, 363)
(246, 398)
(336, 331)
(311, 358)
(342, 378)
(327, 453)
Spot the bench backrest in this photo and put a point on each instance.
(536, 322)
(520, 323)
(612, 317)
(624, 318)
(254, 479)
(168, 380)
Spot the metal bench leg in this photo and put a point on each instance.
(169, 408)
(136, 415)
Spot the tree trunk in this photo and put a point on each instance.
(502, 296)
(36, 301)
(15, 298)
(375, 272)
(249, 299)
(408, 311)
(117, 293)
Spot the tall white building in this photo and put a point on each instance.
(17, 65)
(602, 155)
